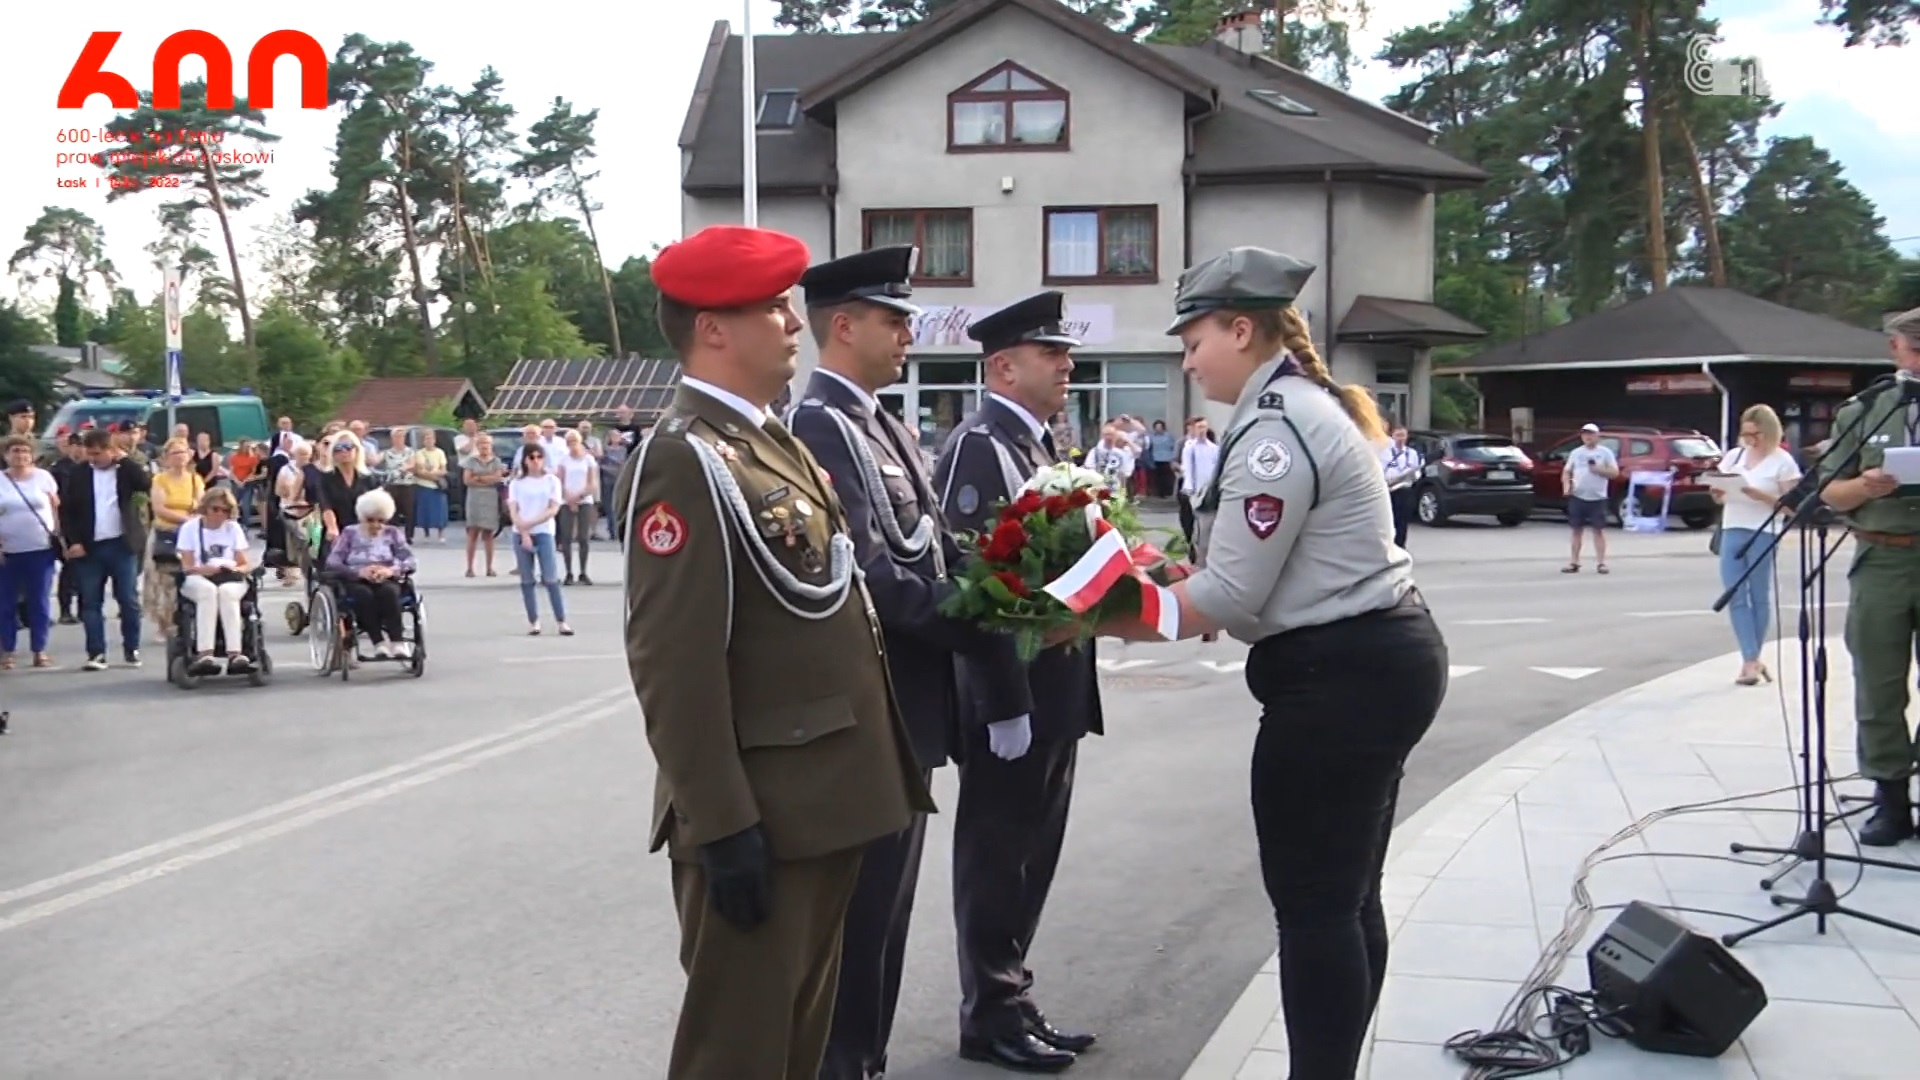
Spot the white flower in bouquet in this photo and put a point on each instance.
(1063, 479)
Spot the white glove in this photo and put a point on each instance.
(1009, 739)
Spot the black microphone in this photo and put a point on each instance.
(1907, 381)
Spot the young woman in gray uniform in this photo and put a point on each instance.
(1347, 664)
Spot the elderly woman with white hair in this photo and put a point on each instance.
(368, 560)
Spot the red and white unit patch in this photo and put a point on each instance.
(662, 530)
(1264, 513)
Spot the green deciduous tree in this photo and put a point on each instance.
(25, 373)
(68, 248)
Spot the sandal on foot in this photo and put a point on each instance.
(6, 662)
(1601, 569)
(42, 660)
(1570, 568)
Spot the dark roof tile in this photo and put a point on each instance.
(1685, 323)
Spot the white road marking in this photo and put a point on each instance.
(1223, 667)
(300, 821)
(1121, 665)
(1455, 671)
(1567, 672)
(1669, 614)
(1498, 622)
(563, 659)
(301, 802)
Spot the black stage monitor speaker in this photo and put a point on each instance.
(1676, 991)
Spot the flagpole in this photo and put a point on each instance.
(750, 122)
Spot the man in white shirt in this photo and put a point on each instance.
(1586, 483)
(96, 520)
(1402, 464)
(1199, 457)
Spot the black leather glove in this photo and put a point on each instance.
(740, 877)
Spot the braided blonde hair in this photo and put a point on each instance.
(1284, 328)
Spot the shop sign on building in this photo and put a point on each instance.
(1690, 383)
(1092, 324)
(1840, 382)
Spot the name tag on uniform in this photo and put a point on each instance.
(892, 470)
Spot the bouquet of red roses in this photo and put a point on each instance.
(1064, 554)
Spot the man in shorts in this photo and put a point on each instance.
(1589, 470)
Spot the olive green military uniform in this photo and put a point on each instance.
(757, 660)
(1883, 612)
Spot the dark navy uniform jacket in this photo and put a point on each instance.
(973, 478)
(921, 642)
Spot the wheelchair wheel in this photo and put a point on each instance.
(296, 619)
(323, 634)
(180, 675)
(418, 663)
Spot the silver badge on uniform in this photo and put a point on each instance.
(1269, 459)
(968, 500)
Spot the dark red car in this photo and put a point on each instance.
(1683, 451)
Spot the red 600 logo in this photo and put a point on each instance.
(89, 75)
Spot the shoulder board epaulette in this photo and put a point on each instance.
(1272, 399)
(979, 429)
(812, 402)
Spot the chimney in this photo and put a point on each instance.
(1240, 31)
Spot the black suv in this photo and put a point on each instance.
(1471, 472)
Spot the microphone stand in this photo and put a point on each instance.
(1817, 814)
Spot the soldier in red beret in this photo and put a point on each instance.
(755, 653)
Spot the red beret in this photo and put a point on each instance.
(728, 266)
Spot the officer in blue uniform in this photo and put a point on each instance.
(1016, 776)
(861, 319)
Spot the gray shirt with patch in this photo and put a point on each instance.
(1297, 527)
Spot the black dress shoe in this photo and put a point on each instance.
(1072, 1042)
(1020, 1053)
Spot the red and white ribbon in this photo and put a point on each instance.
(1091, 575)
(1101, 566)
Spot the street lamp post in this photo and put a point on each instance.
(749, 123)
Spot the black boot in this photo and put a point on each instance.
(1892, 819)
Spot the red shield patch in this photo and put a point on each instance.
(662, 530)
(1264, 513)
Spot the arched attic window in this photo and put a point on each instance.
(1008, 108)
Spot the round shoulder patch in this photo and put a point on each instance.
(1269, 459)
(662, 530)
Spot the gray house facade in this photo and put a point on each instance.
(1023, 146)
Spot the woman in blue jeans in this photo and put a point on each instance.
(29, 506)
(533, 499)
(1749, 531)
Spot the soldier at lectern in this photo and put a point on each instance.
(756, 656)
(861, 318)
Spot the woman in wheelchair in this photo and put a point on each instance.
(367, 562)
(214, 564)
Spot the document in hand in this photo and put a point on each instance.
(1904, 463)
(1720, 481)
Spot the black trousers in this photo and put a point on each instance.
(1008, 826)
(69, 587)
(1186, 518)
(1342, 706)
(873, 953)
(403, 506)
(377, 609)
(1402, 500)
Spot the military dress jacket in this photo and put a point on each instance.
(984, 462)
(905, 551)
(1863, 432)
(753, 646)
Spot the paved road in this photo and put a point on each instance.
(447, 876)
